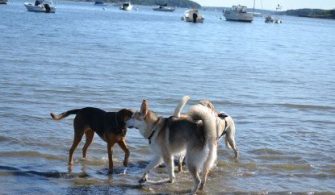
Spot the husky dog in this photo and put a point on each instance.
(170, 136)
(224, 123)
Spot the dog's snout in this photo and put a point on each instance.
(130, 123)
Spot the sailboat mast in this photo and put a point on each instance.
(253, 9)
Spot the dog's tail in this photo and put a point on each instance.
(180, 106)
(208, 118)
(64, 114)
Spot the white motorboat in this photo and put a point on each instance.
(3, 1)
(126, 6)
(271, 19)
(238, 13)
(193, 15)
(41, 6)
(164, 8)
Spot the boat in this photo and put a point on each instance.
(99, 2)
(193, 15)
(238, 13)
(164, 8)
(3, 1)
(271, 19)
(41, 6)
(275, 20)
(127, 6)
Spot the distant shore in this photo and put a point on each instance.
(305, 12)
(312, 13)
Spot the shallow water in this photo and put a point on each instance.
(276, 81)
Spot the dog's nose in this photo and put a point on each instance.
(130, 123)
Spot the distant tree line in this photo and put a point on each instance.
(312, 13)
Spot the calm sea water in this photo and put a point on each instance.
(277, 81)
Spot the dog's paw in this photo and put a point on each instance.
(201, 187)
(125, 163)
(142, 180)
(180, 169)
(237, 155)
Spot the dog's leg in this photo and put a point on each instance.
(89, 138)
(233, 146)
(110, 143)
(231, 141)
(125, 149)
(180, 163)
(155, 162)
(169, 161)
(230, 137)
(77, 138)
(192, 163)
(208, 163)
(195, 174)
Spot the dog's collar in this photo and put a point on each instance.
(153, 129)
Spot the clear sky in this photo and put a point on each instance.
(271, 4)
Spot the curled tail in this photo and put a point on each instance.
(64, 114)
(180, 106)
(208, 118)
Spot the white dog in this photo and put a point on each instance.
(224, 123)
(170, 136)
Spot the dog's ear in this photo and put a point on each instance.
(144, 107)
(126, 114)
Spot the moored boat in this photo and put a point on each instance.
(99, 2)
(238, 13)
(3, 1)
(164, 8)
(41, 6)
(193, 15)
(271, 19)
(127, 6)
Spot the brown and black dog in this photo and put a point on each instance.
(110, 126)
